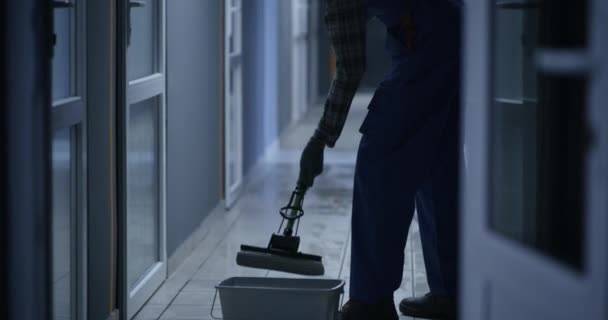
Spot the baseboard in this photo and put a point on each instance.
(194, 239)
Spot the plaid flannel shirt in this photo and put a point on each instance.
(346, 22)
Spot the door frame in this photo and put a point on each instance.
(101, 159)
(488, 257)
(131, 92)
(71, 113)
(26, 170)
(231, 58)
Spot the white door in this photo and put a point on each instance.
(536, 180)
(68, 245)
(144, 155)
(299, 63)
(233, 101)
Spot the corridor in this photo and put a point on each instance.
(325, 228)
(145, 141)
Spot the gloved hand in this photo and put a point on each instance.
(311, 162)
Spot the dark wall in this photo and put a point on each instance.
(324, 51)
(193, 119)
(315, 29)
(266, 90)
(253, 82)
(272, 70)
(101, 280)
(25, 177)
(284, 63)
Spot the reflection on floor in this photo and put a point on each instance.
(325, 229)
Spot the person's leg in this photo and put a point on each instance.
(437, 203)
(428, 236)
(441, 228)
(439, 198)
(382, 213)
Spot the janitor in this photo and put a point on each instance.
(408, 155)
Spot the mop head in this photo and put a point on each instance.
(282, 251)
(280, 260)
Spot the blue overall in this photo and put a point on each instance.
(408, 156)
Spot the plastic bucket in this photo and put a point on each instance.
(279, 299)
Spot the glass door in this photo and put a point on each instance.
(68, 162)
(233, 101)
(534, 212)
(143, 156)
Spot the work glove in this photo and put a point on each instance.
(311, 162)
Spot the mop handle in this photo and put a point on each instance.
(295, 206)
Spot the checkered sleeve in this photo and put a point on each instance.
(346, 24)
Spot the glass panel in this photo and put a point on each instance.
(538, 140)
(63, 54)
(234, 136)
(62, 222)
(143, 48)
(142, 189)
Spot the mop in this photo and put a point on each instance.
(282, 254)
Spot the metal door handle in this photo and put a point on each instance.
(518, 5)
(137, 4)
(58, 4)
(62, 4)
(133, 4)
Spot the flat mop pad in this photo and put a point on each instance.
(282, 251)
(264, 258)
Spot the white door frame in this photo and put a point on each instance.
(139, 90)
(233, 101)
(502, 276)
(70, 113)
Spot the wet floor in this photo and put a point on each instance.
(324, 230)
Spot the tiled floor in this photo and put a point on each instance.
(325, 229)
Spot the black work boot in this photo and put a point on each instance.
(356, 310)
(429, 306)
